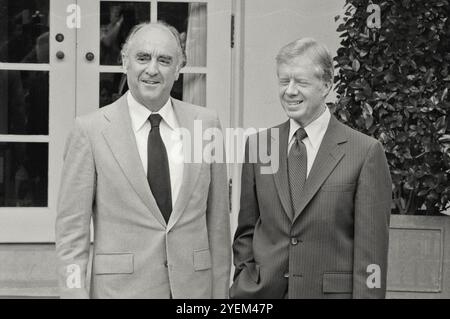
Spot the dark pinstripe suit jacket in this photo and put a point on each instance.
(323, 251)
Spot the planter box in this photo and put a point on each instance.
(419, 257)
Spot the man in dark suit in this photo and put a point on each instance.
(318, 227)
(161, 222)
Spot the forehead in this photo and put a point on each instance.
(154, 39)
(301, 66)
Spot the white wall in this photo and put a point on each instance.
(267, 26)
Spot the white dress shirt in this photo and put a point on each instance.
(315, 130)
(172, 140)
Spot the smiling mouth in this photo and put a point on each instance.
(294, 102)
(150, 82)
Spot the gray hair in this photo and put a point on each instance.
(161, 24)
(317, 52)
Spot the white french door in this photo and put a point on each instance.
(37, 104)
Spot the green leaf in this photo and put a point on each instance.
(368, 109)
(445, 138)
(341, 28)
(368, 121)
(356, 65)
(441, 125)
(444, 94)
(422, 193)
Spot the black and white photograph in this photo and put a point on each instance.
(244, 151)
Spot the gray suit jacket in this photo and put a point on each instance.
(323, 251)
(135, 253)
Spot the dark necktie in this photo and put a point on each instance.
(297, 166)
(158, 174)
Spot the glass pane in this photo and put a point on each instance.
(193, 88)
(112, 86)
(190, 88)
(116, 21)
(24, 31)
(190, 19)
(23, 174)
(23, 102)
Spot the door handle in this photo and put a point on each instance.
(59, 37)
(90, 56)
(60, 55)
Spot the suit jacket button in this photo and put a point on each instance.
(286, 275)
(294, 241)
(166, 264)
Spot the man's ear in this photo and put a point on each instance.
(124, 63)
(177, 72)
(327, 88)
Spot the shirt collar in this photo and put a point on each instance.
(139, 113)
(315, 130)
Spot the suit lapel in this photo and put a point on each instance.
(120, 137)
(281, 176)
(328, 156)
(191, 171)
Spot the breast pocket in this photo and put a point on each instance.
(114, 263)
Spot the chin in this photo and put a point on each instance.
(295, 115)
(150, 96)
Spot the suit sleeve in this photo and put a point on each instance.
(371, 234)
(218, 223)
(75, 202)
(248, 216)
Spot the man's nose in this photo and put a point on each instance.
(152, 67)
(292, 88)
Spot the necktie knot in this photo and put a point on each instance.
(300, 134)
(155, 120)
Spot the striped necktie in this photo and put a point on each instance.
(297, 167)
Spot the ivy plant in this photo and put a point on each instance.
(393, 84)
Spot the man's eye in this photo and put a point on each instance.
(165, 61)
(143, 58)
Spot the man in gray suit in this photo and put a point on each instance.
(161, 224)
(319, 226)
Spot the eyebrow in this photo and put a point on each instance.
(164, 56)
(146, 54)
(297, 79)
